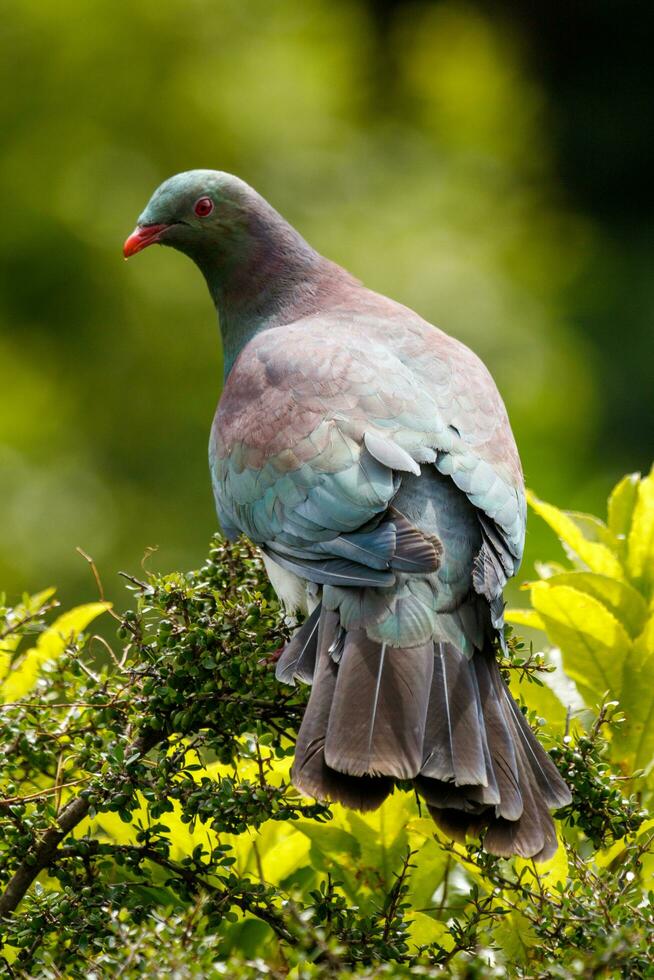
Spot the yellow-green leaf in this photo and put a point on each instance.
(620, 598)
(9, 644)
(593, 529)
(430, 865)
(329, 840)
(634, 739)
(606, 857)
(543, 700)
(460, 854)
(382, 833)
(640, 546)
(550, 873)
(524, 617)
(644, 643)
(50, 645)
(424, 930)
(515, 935)
(546, 569)
(621, 505)
(593, 643)
(596, 556)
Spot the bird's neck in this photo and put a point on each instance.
(262, 278)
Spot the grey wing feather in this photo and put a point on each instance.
(554, 791)
(415, 551)
(298, 659)
(389, 453)
(332, 571)
(524, 836)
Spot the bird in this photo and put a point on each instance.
(369, 456)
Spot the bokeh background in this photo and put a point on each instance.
(487, 163)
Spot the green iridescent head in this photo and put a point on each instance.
(196, 212)
(251, 258)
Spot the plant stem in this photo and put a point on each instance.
(44, 853)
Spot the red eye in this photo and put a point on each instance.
(203, 207)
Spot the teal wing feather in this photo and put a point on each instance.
(326, 423)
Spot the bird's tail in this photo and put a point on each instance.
(428, 714)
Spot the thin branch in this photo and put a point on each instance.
(8, 800)
(222, 895)
(13, 628)
(96, 574)
(45, 853)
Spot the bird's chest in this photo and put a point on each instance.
(254, 444)
(261, 413)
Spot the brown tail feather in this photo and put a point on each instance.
(379, 708)
(310, 773)
(379, 713)
(529, 784)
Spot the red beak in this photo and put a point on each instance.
(141, 237)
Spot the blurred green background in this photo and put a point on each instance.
(488, 164)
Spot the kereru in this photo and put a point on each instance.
(370, 457)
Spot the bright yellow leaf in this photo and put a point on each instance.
(50, 645)
(550, 873)
(524, 617)
(9, 644)
(593, 643)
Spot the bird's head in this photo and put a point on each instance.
(195, 212)
(239, 242)
(253, 261)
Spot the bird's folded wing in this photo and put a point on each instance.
(320, 419)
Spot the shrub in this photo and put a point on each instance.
(149, 828)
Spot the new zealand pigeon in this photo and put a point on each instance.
(370, 457)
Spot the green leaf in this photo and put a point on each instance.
(619, 597)
(248, 937)
(640, 544)
(595, 555)
(524, 617)
(635, 738)
(593, 643)
(621, 507)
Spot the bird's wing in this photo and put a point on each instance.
(319, 421)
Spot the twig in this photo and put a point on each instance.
(44, 854)
(396, 893)
(222, 895)
(134, 581)
(8, 800)
(13, 628)
(96, 575)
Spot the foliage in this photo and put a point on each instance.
(598, 612)
(148, 826)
